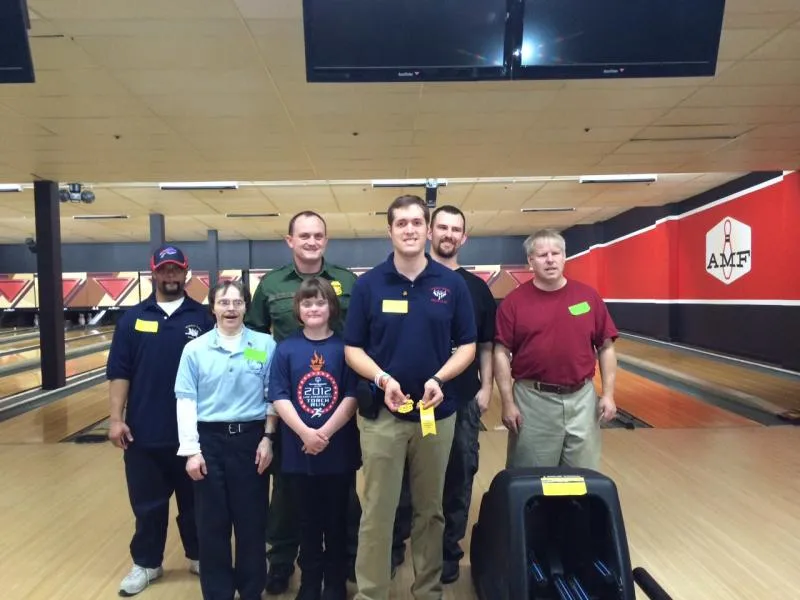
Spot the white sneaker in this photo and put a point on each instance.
(138, 579)
(194, 567)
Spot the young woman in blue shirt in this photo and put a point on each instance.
(313, 392)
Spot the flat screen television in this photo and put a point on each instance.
(576, 39)
(406, 40)
(16, 64)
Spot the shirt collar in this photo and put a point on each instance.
(245, 342)
(294, 273)
(428, 271)
(151, 302)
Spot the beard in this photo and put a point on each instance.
(170, 288)
(446, 253)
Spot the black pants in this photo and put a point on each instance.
(322, 506)
(153, 475)
(283, 533)
(232, 496)
(461, 469)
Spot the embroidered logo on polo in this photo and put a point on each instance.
(192, 331)
(440, 295)
(317, 391)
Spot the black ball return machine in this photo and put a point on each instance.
(554, 534)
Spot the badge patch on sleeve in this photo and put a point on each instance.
(579, 309)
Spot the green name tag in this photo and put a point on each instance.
(256, 355)
(579, 309)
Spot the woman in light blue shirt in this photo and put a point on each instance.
(225, 429)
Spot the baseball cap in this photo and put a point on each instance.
(166, 255)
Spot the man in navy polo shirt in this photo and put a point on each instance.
(410, 329)
(142, 365)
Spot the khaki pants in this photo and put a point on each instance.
(385, 444)
(557, 430)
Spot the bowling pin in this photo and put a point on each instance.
(727, 251)
(81, 319)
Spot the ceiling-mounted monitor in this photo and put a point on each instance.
(405, 40)
(600, 39)
(16, 64)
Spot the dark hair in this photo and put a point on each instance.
(405, 202)
(311, 288)
(222, 286)
(306, 213)
(450, 210)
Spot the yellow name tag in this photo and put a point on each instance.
(146, 326)
(563, 486)
(427, 420)
(395, 306)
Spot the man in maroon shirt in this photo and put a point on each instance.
(549, 335)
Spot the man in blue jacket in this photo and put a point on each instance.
(141, 369)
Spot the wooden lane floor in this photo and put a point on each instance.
(9, 334)
(59, 419)
(710, 513)
(777, 391)
(28, 380)
(73, 334)
(73, 343)
(655, 404)
(663, 407)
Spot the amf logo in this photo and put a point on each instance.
(728, 250)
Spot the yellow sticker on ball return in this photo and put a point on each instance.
(563, 485)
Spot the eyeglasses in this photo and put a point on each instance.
(226, 303)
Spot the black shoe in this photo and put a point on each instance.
(335, 591)
(278, 579)
(450, 571)
(309, 591)
(398, 556)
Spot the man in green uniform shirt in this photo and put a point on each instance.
(271, 311)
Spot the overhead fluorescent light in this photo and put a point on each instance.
(10, 187)
(98, 217)
(199, 185)
(408, 182)
(618, 179)
(530, 210)
(250, 215)
(699, 138)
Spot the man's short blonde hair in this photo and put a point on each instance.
(545, 234)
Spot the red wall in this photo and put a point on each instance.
(668, 261)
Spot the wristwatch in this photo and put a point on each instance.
(439, 382)
(270, 435)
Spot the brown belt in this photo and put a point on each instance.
(553, 388)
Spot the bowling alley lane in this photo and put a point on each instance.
(73, 343)
(32, 378)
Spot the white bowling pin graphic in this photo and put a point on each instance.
(727, 251)
(81, 319)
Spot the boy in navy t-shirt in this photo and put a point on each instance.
(313, 391)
